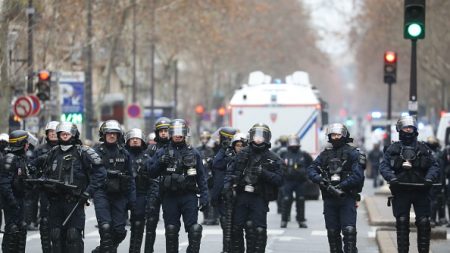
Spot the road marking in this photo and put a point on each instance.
(319, 233)
(32, 237)
(289, 238)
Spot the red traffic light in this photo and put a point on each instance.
(390, 56)
(44, 75)
(222, 111)
(199, 109)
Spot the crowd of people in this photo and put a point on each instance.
(231, 178)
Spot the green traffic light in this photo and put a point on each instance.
(414, 30)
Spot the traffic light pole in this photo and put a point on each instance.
(413, 105)
(389, 116)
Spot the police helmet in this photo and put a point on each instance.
(34, 142)
(226, 135)
(178, 127)
(112, 126)
(260, 133)
(51, 126)
(68, 127)
(406, 121)
(151, 137)
(135, 133)
(17, 140)
(162, 123)
(283, 140)
(293, 141)
(205, 135)
(239, 137)
(101, 132)
(4, 137)
(337, 128)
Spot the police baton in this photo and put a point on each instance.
(414, 184)
(72, 211)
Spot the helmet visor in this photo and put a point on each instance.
(178, 129)
(260, 136)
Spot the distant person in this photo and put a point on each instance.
(375, 156)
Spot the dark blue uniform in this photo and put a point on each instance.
(210, 216)
(295, 176)
(424, 169)
(219, 167)
(111, 201)
(181, 178)
(13, 170)
(257, 175)
(79, 166)
(341, 167)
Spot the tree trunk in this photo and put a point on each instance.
(5, 88)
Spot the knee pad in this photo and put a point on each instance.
(119, 236)
(106, 227)
(287, 199)
(423, 223)
(137, 223)
(249, 225)
(196, 228)
(260, 231)
(152, 220)
(349, 230)
(73, 235)
(44, 221)
(55, 234)
(172, 230)
(403, 220)
(300, 198)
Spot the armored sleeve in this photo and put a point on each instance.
(308, 159)
(314, 170)
(201, 178)
(154, 167)
(132, 182)
(273, 174)
(6, 178)
(220, 161)
(356, 178)
(385, 166)
(433, 172)
(97, 172)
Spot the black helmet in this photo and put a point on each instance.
(337, 128)
(17, 140)
(239, 137)
(226, 135)
(406, 121)
(101, 132)
(260, 135)
(112, 126)
(135, 133)
(162, 123)
(178, 127)
(293, 141)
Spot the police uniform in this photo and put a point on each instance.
(410, 169)
(256, 174)
(13, 172)
(182, 177)
(339, 170)
(80, 169)
(295, 176)
(119, 192)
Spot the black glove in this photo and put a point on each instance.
(164, 159)
(393, 181)
(203, 206)
(84, 197)
(428, 182)
(227, 193)
(324, 183)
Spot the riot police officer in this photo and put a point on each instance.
(256, 173)
(13, 172)
(136, 146)
(161, 140)
(4, 139)
(51, 140)
(295, 176)
(182, 176)
(410, 169)
(119, 193)
(207, 154)
(79, 174)
(339, 171)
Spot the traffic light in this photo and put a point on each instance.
(199, 110)
(414, 26)
(390, 67)
(43, 85)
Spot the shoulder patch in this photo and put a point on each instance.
(93, 156)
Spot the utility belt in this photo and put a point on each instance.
(299, 174)
(117, 182)
(142, 183)
(178, 182)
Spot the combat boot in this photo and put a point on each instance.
(195, 237)
(402, 225)
(334, 240)
(350, 239)
(423, 234)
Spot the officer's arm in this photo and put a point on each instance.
(273, 175)
(356, 178)
(97, 172)
(433, 172)
(314, 170)
(132, 182)
(229, 174)
(219, 162)
(385, 166)
(308, 159)
(154, 167)
(6, 177)
(201, 178)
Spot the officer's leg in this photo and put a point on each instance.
(333, 225)
(286, 203)
(28, 209)
(55, 237)
(106, 239)
(195, 237)
(349, 233)
(74, 242)
(137, 224)
(300, 205)
(189, 210)
(171, 215)
(44, 231)
(22, 237)
(422, 210)
(10, 238)
(401, 206)
(151, 224)
(258, 215)
(119, 215)
(348, 223)
(239, 218)
(103, 214)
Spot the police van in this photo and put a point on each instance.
(290, 107)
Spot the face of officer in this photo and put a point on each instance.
(65, 136)
(177, 138)
(336, 136)
(238, 146)
(163, 133)
(51, 135)
(111, 138)
(408, 129)
(135, 142)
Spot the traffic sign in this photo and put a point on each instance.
(134, 111)
(23, 106)
(36, 105)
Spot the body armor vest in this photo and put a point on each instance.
(295, 166)
(18, 165)
(118, 177)
(410, 163)
(336, 164)
(180, 174)
(142, 179)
